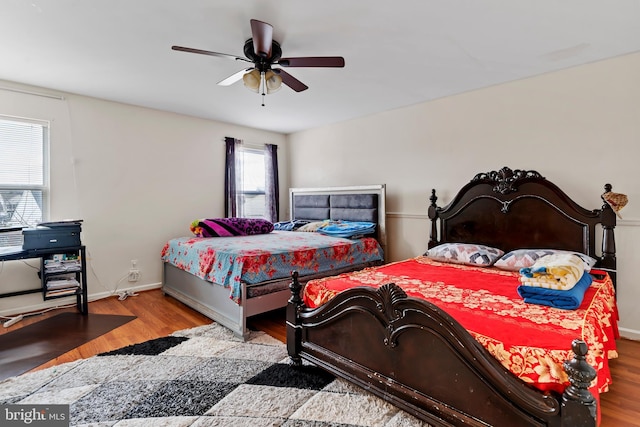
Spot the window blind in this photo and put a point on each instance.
(250, 175)
(23, 180)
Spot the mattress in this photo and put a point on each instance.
(531, 340)
(229, 261)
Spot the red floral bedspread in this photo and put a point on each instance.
(228, 261)
(532, 341)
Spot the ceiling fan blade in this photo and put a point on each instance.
(313, 61)
(234, 77)
(208, 52)
(262, 34)
(291, 81)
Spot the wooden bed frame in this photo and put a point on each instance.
(414, 355)
(336, 203)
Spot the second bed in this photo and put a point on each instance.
(230, 279)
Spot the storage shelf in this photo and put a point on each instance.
(48, 297)
(75, 271)
(79, 272)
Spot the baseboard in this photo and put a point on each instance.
(630, 334)
(61, 302)
(139, 288)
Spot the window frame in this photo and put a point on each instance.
(43, 188)
(241, 192)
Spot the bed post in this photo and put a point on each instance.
(294, 333)
(608, 220)
(433, 216)
(578, 404)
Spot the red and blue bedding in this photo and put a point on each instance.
(229, 261)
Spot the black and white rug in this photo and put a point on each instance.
(202, 377)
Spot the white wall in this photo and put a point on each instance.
(136, 176)
(580, 128)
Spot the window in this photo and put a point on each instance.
(251, 186)
(23, 176)
(250, 179)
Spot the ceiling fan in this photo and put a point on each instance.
(263, 53)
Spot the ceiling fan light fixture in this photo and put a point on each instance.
(272, 81)
(252, 80)
(262, 51)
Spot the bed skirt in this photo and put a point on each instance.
(213, 300)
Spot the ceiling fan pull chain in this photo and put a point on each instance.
(263, 85)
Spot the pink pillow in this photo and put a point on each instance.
(227, 227)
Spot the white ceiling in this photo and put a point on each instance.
(397, 53)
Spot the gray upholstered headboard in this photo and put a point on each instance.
(358, 203)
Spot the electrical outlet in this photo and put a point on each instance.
(134, 275)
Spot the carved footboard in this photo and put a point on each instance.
(417, 357)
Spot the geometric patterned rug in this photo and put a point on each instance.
(203, 376)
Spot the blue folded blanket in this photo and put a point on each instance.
(348, 229)
(565, 299)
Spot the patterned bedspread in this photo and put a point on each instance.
(531, 340)
(228, 261)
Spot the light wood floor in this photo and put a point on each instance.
(159, 316)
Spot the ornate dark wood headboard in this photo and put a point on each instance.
(513, 209)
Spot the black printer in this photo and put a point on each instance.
(62, 234)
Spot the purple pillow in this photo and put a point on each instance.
(227, 227)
